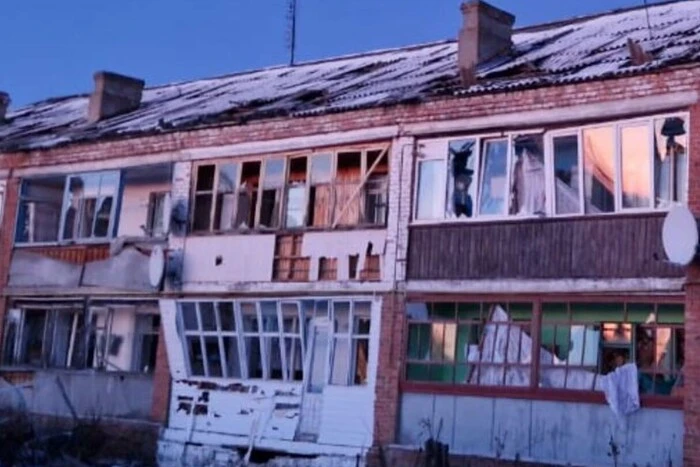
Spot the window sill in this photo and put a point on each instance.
(538, 219)
(67, 371)
(286, 231)
(558, 395)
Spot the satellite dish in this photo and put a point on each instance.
(680, 235)
(156, 266)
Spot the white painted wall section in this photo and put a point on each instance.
(243, 258)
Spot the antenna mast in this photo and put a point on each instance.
(292, 17)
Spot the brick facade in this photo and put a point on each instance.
(691, 370)
(392, 321)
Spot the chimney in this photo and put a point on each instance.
(4, 104)
(114, 94)
(485, 34)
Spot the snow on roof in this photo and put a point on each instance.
(576, 50)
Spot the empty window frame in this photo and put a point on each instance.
(639, 164)
(89, 207)
(146, 336)
(2, 199)
(350, 343)
(348, 187)
(39, 209)
(158, 209)
(490, 344)
(45, 336)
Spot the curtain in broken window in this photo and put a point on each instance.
(494, 172)
(527, 191)
(670, 161)
(461, 189)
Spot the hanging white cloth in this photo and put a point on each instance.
(621, 390)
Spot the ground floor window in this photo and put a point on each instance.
(574, 345)
(326, 340)
(71, 335)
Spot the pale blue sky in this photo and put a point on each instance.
(52, 47)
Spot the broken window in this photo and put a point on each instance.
(461, 187)
(40, 336)
(327, 269)
(527, 182)
(589, 170)
(147, 329)
(482, 344)
(271, 193)
(320, 190)
(347, 180)
(491, 344)
(583, 341)
(350, 344)
(39, 210)
(670, 161)
(376, 188)
(248, 194)
(295, 208)
(215, 197)
(157, 212)
(90, 205)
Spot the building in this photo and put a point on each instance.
(458, 238)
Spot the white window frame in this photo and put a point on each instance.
(303, 333)
(439, 150)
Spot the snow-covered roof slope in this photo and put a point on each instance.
(576, 50)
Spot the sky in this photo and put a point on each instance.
(52, 47)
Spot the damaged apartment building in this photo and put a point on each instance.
(459, 240)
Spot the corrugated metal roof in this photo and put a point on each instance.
(581, 49)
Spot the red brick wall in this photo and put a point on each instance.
(6, 242)
(391, 353)
(161, 382)
(691, 369)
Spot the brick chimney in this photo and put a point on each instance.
(486, 33)
(114, 94)
(4, 104)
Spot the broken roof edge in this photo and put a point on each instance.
(214, 123)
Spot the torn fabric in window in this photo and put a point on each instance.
(527, 192)
(461, 189)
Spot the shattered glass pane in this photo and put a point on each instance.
(527, 186)
(670, 161)
(461, 188)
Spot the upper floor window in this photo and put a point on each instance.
(616, 167)
(318, 190)
(94, 206)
